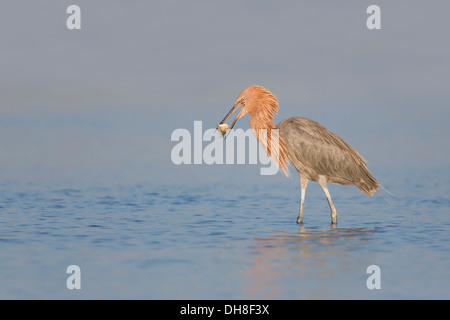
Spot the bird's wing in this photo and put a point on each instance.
(318, 148)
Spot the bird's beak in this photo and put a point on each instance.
(240, 114)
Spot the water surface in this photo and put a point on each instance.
(95, 193)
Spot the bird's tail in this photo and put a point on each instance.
(368, 184)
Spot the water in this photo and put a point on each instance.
(86, 190)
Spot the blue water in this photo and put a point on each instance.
(100, 192)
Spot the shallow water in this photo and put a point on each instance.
(141, 228)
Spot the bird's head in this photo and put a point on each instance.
(254, 99)
(262, 106)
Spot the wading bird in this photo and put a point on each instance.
(317, 153)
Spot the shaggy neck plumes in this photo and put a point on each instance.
(261, 122)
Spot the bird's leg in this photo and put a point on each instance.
(323, 183)
(303, 184)
(332, 208)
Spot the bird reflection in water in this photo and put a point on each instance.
(309, 254)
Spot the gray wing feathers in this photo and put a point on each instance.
(321, 150)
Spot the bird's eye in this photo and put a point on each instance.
(243, 100)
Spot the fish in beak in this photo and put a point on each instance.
(222, 126)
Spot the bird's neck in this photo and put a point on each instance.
(269, 137)
(261, 120)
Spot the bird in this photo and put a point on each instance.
(317, 153)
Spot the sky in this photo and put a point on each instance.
(384, 91)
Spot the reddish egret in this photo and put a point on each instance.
(317, 153)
